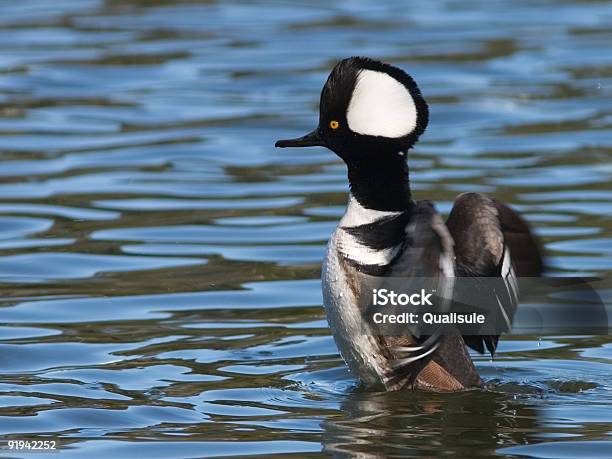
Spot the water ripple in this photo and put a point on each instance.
(160, 259)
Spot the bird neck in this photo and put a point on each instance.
(380, 183)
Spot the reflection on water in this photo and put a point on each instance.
(159, 259)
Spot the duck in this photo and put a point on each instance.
(371, 114)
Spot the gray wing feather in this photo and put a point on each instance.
(491, 240)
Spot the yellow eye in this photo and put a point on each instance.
(334, 124)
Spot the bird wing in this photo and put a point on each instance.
(437, 361)
(491, 240)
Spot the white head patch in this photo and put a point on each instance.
(381, 106)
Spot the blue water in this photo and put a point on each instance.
(159, 259)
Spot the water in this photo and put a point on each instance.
(159, 258)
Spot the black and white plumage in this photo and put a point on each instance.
(371, 114)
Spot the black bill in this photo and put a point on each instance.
(311, 139)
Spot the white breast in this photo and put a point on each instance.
(360, 351)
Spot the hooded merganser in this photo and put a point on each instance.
(371, 114)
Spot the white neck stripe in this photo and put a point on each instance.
(357, 215)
